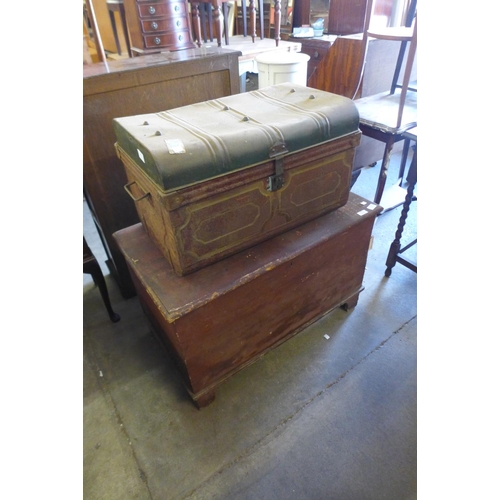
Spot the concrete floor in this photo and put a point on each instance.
(315, 418)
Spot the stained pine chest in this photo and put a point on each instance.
(222, 318)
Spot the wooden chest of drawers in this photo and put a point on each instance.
(158, 25)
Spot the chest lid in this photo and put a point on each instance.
(201, 141)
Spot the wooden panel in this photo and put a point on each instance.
(346, 17)
(339, 71)
(134, 86)
(317, 49)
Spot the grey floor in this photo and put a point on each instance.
(316, 418)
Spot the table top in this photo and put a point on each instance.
(150, 60)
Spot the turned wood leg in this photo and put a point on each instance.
(218, 23)
(252, 20)
(404, 158)
(383, 170)
(195, 15)
(396, 244)
(277, 21)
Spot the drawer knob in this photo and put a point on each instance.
(152, 10)
(180, 38)
(178, 23)
(177, 8)
(154, 25)
(157, 41)
(316, 54)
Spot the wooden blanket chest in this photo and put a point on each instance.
(214, 178)
(218, 320)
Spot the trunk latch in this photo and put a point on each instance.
(276, 181)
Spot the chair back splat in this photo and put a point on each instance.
(387, 115)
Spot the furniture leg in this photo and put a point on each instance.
(396, 244)
(252, 20)
(383, 170)
(261, 18)
(91, 266)
(115, 32)
(208, 8)
(351, 302)
(395, 248)
(244, 16)
(404, 158)
(195, 16)
(225, 12)
(277, 20)
(121, 9)
(204, 399)
(218, 22)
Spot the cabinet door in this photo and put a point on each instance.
(346, 16)
(342, 17)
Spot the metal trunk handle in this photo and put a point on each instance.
(126, 187)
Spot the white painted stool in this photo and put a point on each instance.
(280, 67)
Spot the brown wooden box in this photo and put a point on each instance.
(251, 166)
(225, 316)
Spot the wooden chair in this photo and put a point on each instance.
(91, 266)
(388, 115)
(117, 6)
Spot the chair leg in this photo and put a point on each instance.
(225, 13)
(252, 15)
(404, 158)
(195, 16)
(395, 248)
(203, 22)
(382, 178)
(210, 21)
(125, 31)
(115, 32)
(92, 267)
(261, 18)
(217, 17)
(244, 16)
